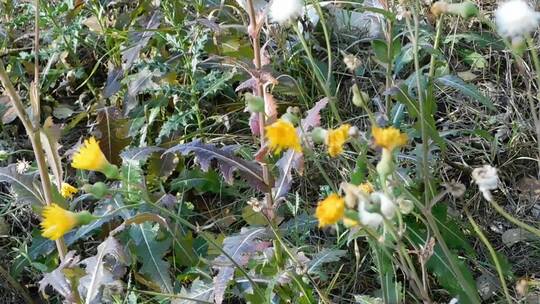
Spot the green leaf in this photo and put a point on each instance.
(465, 88)
(214, 82)
(176, 122)
(325, 256)
(24, 185)
(150, 253)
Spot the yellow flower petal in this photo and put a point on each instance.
(330, 210)
(366, 187)
(281, 135)
(89, 157)
(389, 138)
(67, 190)
(57, 222)
(335, 139)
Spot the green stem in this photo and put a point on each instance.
(414, 33)
(493, 256)
(318, 75)
(513, 219)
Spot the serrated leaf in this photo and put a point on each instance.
(200, 291)
(239, 249)
(290, 160)
(24, 185)
(138, 83)
(176, 122)
(214, 82)
(139, 39)
(113, 83)
(313, 116)
(323, 257)
(140, 153)
(227, 162)
(465, 88)
(98, 274)
(150, 253)
(57, 279)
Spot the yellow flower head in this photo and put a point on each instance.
(67, 190)
(330, 210)
(57, 222)
(335, 139)
(366, 187)
(282, 135)
(389, 138)
(90, 157)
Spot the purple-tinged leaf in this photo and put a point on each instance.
(113, 83)
(313, 117)
(239, 249)
(225, 274)
(58, 281)
(138, 40)
(270, 107)
(250, 84)
(139, 153)
(113, 128)
(254, 124)
(227, 162)
(290, 160)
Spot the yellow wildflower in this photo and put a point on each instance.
(335, 139)
(67, 190)
(57, 222)
(366, 187)
(282, 135)
(330, 210)
(389, 138)
(90, 157)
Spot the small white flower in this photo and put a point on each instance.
(487, 179)
(285, 12)
(516, 18)
(454, 301)
(22, 166)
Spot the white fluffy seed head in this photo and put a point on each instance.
(285, 12)
(516, 18)
(487, 179)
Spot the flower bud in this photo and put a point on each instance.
(290, 117)
(405, 206)
(84, 217)
(360, 98)
(318, 135)
(98, 189)
(3, 155)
